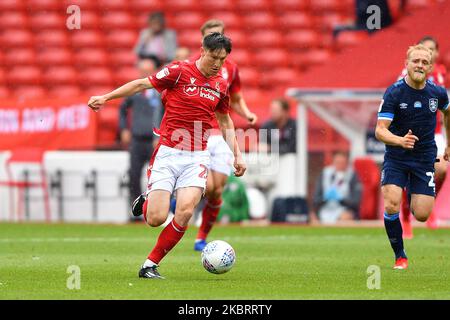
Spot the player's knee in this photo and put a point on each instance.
(155, 218)
(214, 193)
(392, 206)
(184, 214)
(421, 215)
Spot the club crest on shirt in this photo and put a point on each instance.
(191, 89)
(433, 104)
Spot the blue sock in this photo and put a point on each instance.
(395, 233)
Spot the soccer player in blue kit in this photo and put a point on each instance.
(406, 124)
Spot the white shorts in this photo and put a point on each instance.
(440, 143)
(171, 168)
(221, 156)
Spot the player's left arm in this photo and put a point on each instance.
(227, 127)
(239, 105)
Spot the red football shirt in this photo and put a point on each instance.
(438, 77)
(190, 101)
(230, 73)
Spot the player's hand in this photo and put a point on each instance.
(252, 118)
(96, 102)
(240, 166)
(408, 140)
(447, 154)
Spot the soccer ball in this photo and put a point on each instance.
(218, 257)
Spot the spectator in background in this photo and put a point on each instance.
(157, 40)
(286, 128)
(338, 191)
(362, 15)
(182, 54)
(235, 206)
(147, 112)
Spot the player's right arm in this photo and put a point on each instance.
(383, 134)
(128, 89)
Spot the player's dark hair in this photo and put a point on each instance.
(429, 38)
(283, 103)
(152, 57)
(217, 41)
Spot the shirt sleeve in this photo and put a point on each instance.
(236, 82)
(443, 103)
(387, 107)
(224, 104)
(167, 77)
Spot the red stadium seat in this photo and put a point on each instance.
(311, 58)
(47, 20)
(186, 20)
(87, 39)
(83, 4)
(2, 77)
(259, 20)
(238, 37)
(55, 56)
(121, 39)
(291, 5)
(302, 39)
(89, 20)
(6, 5)
(218, 6)
(117, 20)
(295, 20)
(16, 38)
(280, 77)
(181, 5)
(91, 57)
(229, 18)
(22, 56)
(241, 56)
(44, 5)
(369, 175)
(4, 92)
(55, 38)
(270, 58)
(322, 6)
(13, 19)
(350, 38)
(65, 91)
(97, 76)
(122, 58)
(265, 39)
(146, 5)
(249, 77)
(125, 74)
(417, 4)
(24, 75)
(329, 21)
(60, 75)
(190, 38)
(30, 92)
(95, 90)
(246, 6)
(115, 5)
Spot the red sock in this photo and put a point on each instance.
(405, 210)
(167, 239)
(144, 209)
(209, 216)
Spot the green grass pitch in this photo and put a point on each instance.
(272, 263)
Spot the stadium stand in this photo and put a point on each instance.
(293, 36)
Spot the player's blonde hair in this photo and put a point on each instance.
(418, 47)
(213, 23)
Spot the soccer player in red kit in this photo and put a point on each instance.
(437, 75)
(195, 94)
(221, 155)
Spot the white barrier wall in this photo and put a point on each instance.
(76, 167)
(273, 174)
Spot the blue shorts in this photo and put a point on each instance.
(417, 176)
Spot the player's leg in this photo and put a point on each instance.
(220, 168)
(440, 168)
(214, 189)
(421, 206)
(405, 214)
(394, 179)
(422, 190)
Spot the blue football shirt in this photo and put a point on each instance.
(409, 108)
